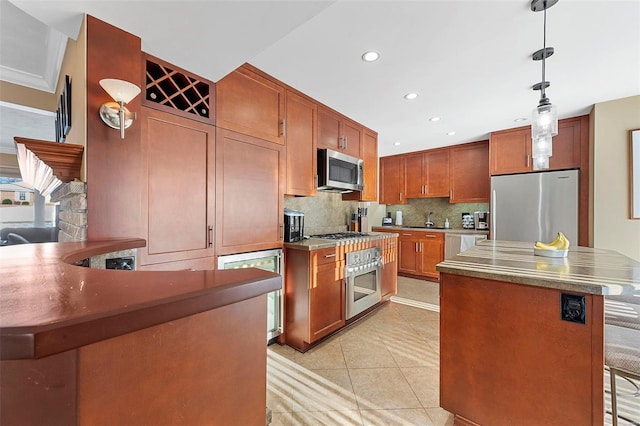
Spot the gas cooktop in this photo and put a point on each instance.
(341, 235)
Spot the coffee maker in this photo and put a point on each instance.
(293, 226)
(481, 220)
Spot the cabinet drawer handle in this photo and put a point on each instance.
(407, 235)
(429, 236)
(330, 255)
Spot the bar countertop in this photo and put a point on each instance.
(48, 305)
(584, 270)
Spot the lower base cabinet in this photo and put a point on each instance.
(419, 252)
(314, 295)
(389, 268)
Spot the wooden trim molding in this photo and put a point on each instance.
(64, 159)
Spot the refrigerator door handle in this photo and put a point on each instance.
(493, 228)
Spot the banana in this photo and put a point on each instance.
(559, 243)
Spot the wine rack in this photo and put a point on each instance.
(175, 90)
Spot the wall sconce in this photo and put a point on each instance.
(114, 114)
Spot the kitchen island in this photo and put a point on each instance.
(88, 346)
(522, 336)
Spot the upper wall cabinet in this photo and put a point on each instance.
(171, 89)
(250, 103)
(469, 173)
(177, 175)
(249, 193)
(392, 180)
(338, 133)
(369, 154)
(427, 174)
(301, 145)
(510, 150)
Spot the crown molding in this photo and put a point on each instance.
(56, 45)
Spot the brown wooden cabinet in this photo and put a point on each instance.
(177, 191)
(419, 252)
(301, 145)
(427, 174)
(249, 193)
(469, 173)
(369, 154)
(389, 268)
(314, 295)
(250, 103)
(392, 180)
(510, 150)
(338, 132)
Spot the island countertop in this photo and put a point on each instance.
(585, 270)
(48, 305)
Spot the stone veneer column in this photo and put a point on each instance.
(72, 212)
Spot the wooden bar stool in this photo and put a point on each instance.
(622, 356)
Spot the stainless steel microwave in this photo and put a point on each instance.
(339, 172)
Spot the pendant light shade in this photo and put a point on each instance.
(544, 122)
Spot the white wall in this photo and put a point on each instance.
(612, 228)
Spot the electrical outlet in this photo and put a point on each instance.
(122, 263)
(573, 308)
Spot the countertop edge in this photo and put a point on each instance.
(43, 339)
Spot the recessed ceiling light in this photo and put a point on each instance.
(517, 120)
(370, 56)
(410, 96)
(434, 119)
(451, 133)
(396, 143)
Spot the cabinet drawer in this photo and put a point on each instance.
(324, 256)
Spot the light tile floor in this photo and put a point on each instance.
(383, 370)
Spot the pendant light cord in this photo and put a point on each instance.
(544, 52)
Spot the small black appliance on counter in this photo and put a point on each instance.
(293, 226)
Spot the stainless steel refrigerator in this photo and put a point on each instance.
(535, 206)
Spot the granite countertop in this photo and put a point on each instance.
(321, 243)
(584, 270)
(424, 228)
(48, 305)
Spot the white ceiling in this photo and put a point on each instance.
(469, 61)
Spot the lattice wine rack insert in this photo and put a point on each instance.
(177, 90)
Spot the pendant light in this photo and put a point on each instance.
(544, 123)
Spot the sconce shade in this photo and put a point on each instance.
(120, 90)
(114, 114)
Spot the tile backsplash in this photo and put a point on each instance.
(326, 212)
(415, 213)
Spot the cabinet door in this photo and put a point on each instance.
(301, 145)
(414, 166)
(408, 260)
(329, 129)
(326, 300)
(431, 253)
(251, 104)
(392, 180)
(369, 154)
(390, 270)
(469, 173)
(178, 195)
(566, 145)
(510, 151)
(352, 138)
(249, 193)
(437, 173)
